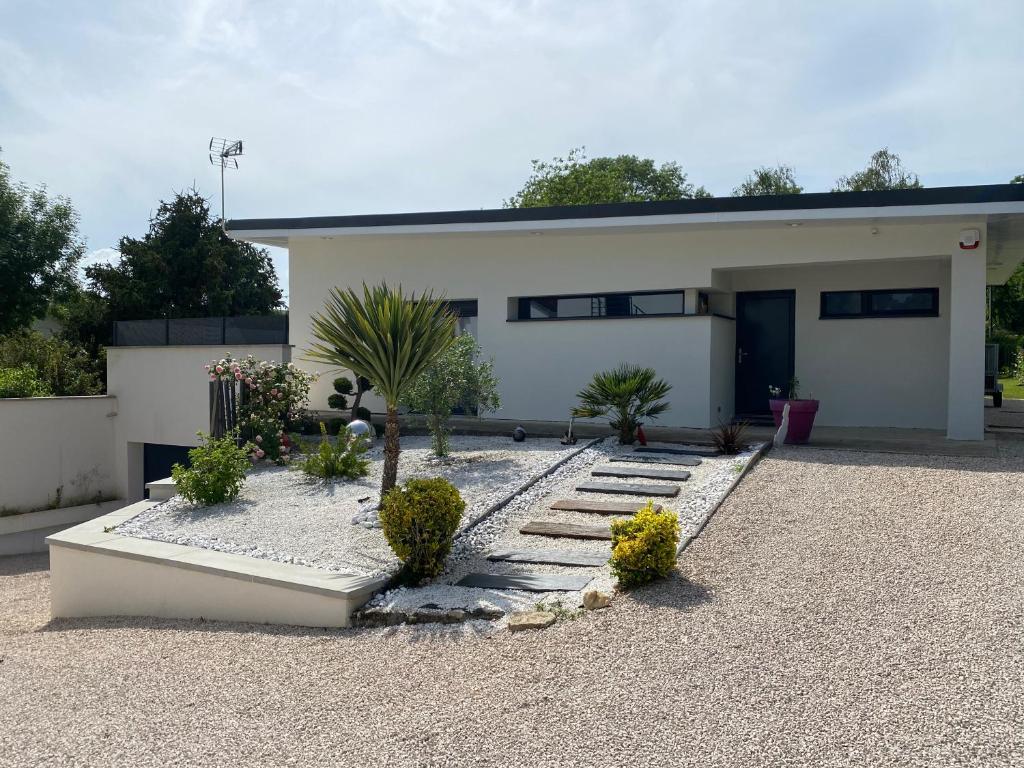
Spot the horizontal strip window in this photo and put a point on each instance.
(594, 305)
(895, 302)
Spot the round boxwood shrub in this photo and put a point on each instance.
(644, 546)
(419, 521)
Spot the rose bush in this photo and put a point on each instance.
(271, 396)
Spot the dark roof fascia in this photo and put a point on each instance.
(988, 193)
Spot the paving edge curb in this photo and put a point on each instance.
(765, 447)
(527, 485)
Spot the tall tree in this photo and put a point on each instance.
(185, 266)
(884, 171)
(575, 180)
(766, 180)
(39, 251)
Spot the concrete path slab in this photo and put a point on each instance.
(651, 473)
(696, 451)
(654, 458)
(567, 530)
(571, 557)
(630, 489)
(600, 507)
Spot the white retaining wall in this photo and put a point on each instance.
(57, 451)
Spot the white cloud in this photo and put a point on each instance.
(402, 105)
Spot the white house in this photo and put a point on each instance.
(874, 300)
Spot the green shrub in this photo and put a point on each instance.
(21, 382)
(343, 458)
(419, 521)
(342, 387)
(62, 367)
(644, 546)
(627, 395)
(1009, 345)
(364, 414)
(217, 471)
(453, 380)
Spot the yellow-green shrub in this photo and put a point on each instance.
(644, 546)
(419, 521)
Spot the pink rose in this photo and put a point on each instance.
(238, 375)
(259, 438)
(212, 377)
(220, 369)
(260, 453)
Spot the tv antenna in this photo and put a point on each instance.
(223, 153)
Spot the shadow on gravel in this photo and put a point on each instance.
(677, 592)
(15, 565)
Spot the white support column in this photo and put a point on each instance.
(965, 418)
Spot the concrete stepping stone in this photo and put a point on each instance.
(654, 458)
(529, 582)
(646, 472)
(551, 557)
(637, 489)
(696, 451)
(600, 507)
(567, 530)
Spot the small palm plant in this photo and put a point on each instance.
(629, 394)
(387, 337)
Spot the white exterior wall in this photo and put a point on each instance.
(58, 446)
(163, 397)
(543, 364)
(868, 372)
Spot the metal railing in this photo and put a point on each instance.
(201, 331)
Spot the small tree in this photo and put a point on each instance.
(628, 394)
(885, 171)
(779, 180)
(389, 338)
(453, 380)
(342, 388)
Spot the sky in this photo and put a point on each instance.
(414, 105)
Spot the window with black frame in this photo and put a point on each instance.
(597, 305)
(889, 302)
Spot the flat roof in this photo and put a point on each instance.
(710, 208)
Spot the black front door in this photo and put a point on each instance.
(764, 347)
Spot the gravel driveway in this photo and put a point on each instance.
(840, 609)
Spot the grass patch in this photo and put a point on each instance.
(1011, 389)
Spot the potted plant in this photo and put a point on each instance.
(801, 412)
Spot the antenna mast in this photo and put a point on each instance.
(223, 153)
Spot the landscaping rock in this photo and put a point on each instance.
(594, 600)
(523, 620)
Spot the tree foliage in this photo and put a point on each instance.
(575, 180)
(454, 380)
(884, 171)
(767, 180)
(185, 266)
(389, 338)
(40, 249)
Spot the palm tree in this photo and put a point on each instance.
(628, 393)
(388, 338)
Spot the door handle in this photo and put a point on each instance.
(740, 354)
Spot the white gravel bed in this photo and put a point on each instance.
(283, 515)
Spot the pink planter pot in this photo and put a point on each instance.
(801, 418)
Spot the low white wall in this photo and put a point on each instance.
(57, 451)
(163, 397)
(22, 534)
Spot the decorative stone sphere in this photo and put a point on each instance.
(519, 434)
(360, 428)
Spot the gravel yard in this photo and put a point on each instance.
(281, 514)
(840, 609)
